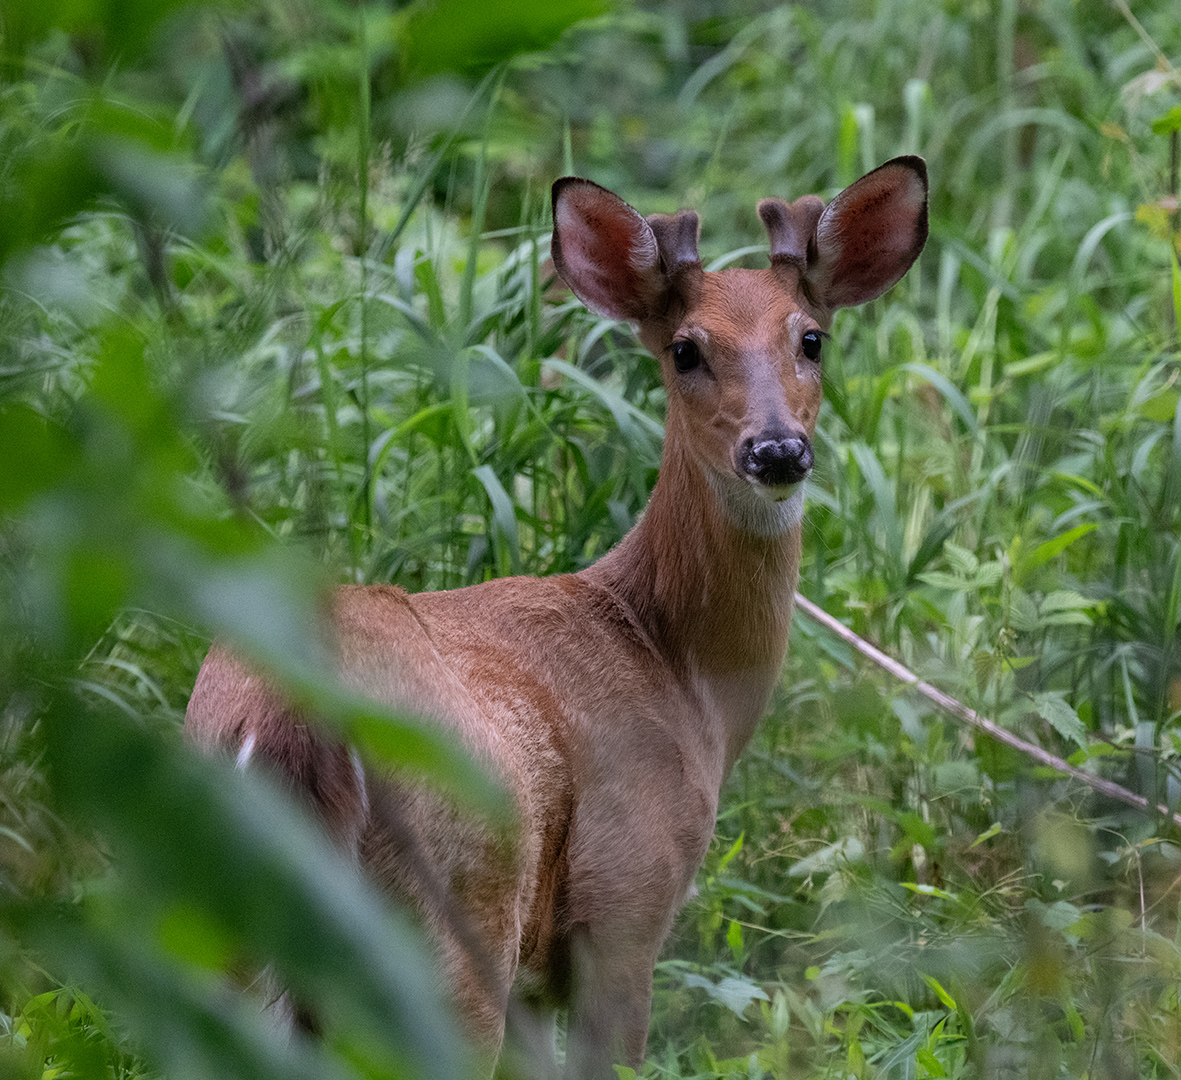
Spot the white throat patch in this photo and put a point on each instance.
(756, 509)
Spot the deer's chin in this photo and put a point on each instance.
(775, 493)
(761, 509)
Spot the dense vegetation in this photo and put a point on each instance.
(276, 312)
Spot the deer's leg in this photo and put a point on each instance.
(463, 878)
(530, 1045)
(479, 984)
(612, 1000)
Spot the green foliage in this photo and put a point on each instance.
(278, 313)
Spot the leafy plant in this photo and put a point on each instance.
(279, 313)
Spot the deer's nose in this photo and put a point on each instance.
(776, 458)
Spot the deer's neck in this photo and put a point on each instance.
(710, 571)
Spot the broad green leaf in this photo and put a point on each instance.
(403, 741)
(1065, 600)
(1066, 618)
(903, 1052)
(1161, 407)
(1060, 915)
(733, 850)
(44, 190)
(942, 580)
(186, 932)
(1023, 614)
(944, 997)
(44, 450)
(1094, 750)
(1167, 121)
(939, 531)
(124, 29)
(1061, 717)
(962, 561)
(955, 778)
(989, 574)
(154, 183)
(492, 379)
(919, 831)
(1065, 608)
(828, 858)
(734, 940)
(736, 994)
(925, 1057)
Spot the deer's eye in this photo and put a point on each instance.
(686, 355)
(812, 342)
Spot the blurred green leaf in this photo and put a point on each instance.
(421, 746)
(1043, 553)
(45, 451)
(1177, 293)
(469, 37)
(1167, 121)
(955, 398)
(184, 1023)
(43, 190)
(124, 28)
(188, 832)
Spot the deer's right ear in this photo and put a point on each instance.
(605, 251)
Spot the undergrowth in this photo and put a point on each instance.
(279, 312)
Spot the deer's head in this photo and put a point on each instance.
(741, 350)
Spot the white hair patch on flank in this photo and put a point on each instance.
(245, 753)
(362, 787)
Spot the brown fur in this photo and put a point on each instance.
(611, 702)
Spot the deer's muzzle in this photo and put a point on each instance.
(776, 458)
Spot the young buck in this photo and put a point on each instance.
(611, 702)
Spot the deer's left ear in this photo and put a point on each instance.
(605, 251)
(869, 235)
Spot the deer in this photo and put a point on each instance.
(611, 703)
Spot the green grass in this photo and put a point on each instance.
(278, 313)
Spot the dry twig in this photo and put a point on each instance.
(970, 716)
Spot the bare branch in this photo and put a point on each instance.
(970, 716)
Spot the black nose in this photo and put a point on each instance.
(776, 459)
